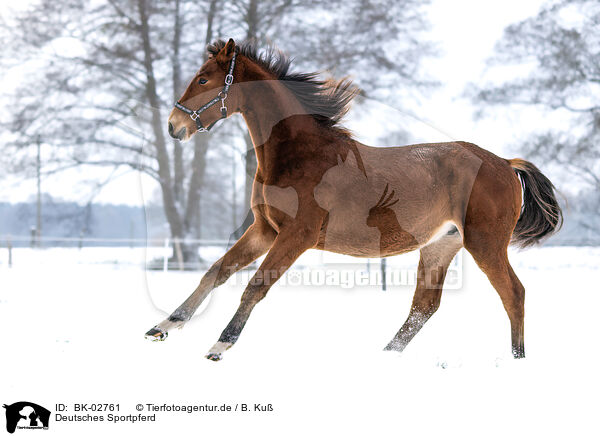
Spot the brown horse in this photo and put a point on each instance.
(317, 187)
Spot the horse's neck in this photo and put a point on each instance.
(273, 116)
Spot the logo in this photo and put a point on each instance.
(26, 415)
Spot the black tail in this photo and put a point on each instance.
(541, 215)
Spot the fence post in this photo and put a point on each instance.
(166, 256)
(9, 245)
(383, 279)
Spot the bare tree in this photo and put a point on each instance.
(380, 44)
(119, 58)
(561, 47)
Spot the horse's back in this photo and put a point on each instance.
(427, 188)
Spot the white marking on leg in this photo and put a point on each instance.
(167, 325)
(220, 347)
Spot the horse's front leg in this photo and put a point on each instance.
(253, 244)
(288, 246)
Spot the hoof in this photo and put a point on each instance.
(156, 334)
(215, 357)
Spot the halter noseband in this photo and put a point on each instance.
(222, 95)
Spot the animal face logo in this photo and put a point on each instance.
(26, 415)
(382, 211)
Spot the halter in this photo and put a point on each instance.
(222, 95)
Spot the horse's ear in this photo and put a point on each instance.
(227, 52)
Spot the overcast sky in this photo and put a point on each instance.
(465, 31)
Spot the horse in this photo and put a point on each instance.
(316, 187)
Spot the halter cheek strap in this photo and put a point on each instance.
(222, 95)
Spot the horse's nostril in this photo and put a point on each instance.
(170, 129)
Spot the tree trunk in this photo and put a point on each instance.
(191, 220)
(172, 212)
(192, 212)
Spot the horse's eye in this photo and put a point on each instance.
(202, 81)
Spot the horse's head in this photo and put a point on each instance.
(207, 98)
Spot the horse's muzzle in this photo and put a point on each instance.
(180, 134)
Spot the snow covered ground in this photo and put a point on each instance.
(73, 323)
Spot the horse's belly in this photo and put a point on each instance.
(365, 241)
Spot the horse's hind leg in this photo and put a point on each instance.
(433, 266)
(494, 263)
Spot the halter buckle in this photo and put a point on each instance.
(194, 115)
(229, 79)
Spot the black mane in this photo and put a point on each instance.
(326, 100)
